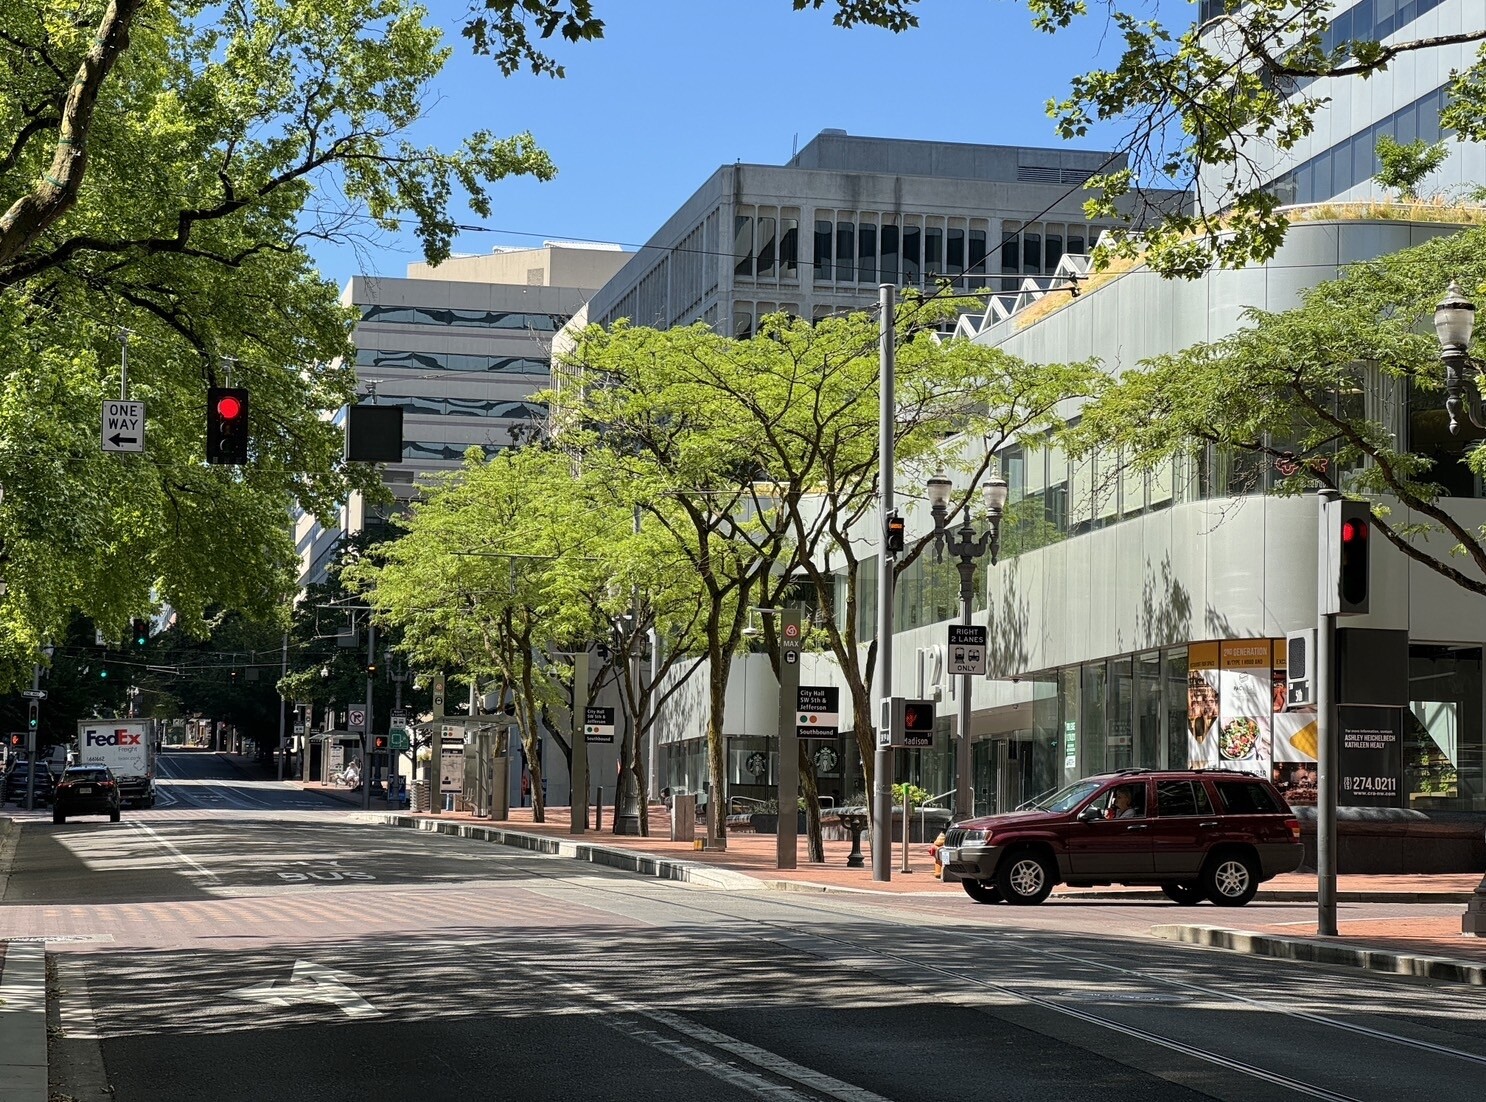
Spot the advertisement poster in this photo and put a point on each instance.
(1202, 705)
(1371, 755)
(1294, 741)
(1245, 704)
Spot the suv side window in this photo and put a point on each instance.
(1182, 798)
(1246, 798)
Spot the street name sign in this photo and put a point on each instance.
(817, 711)
(967, 648)
(598, 725)
(123, 426)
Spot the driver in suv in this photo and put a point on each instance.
(1197, 834)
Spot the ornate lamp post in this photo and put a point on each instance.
(966, 546)
(1454, 318)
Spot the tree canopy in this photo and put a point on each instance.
(162, 167)
(1342, 391)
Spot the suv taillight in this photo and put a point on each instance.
(1293, 826)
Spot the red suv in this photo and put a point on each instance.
(1197, 834)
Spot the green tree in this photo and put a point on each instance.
(1323, 388)
(1405, 166)
(1193, 97)
(161, 169)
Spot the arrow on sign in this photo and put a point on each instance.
(119, 441)
(311, 983)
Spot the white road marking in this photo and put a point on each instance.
(75, 1004)
(311, 983)
(164, 843)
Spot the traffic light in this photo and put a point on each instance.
(895, 529)
(918, 718)
(34, 720)
(226, 425)
(371, 668)
(15, 739)
(103, 673)
(139, 630)
(1353, 568)
(379, 743)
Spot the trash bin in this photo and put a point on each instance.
(420, 796)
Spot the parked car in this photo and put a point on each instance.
(15, 782)
(1213, 834)
(86, 790)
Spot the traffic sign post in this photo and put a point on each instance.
(122, 426)
(967, 649)
(787, 832)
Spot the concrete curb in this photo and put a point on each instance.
(1317, 951)
(646, 864)
(23, 1068)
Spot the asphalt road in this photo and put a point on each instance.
(252, 942)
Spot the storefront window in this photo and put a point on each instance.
(1068, 710)
(1095, 678)
(1174, 704)
(1148, 710)
(1119, 743)
(1442, 743)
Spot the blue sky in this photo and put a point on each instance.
(678, 87)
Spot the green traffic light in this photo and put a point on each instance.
(103, 674)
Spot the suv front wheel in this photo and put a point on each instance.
(1230, 879)
(1024, 878)
(982, 891)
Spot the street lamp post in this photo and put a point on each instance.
(964, 545)
(1454, 319)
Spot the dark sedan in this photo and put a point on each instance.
(86, 790)
(15, 783)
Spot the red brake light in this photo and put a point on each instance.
(1293, 825)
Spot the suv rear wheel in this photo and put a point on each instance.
(982, 891)
(1230, 879)
(1025, 878)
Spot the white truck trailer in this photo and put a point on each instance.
(128, 748)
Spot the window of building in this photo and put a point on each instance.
(823, 248)
(1442, 746)
(1174, 707)
(888, 248)
(866, 253)
(977, 258)
(765, 265)
(743, 246)
(845, 251)
(913, 272)
(1119, 741)
(481, 319)
(933, 251)
(789, 248)
(1031, 253)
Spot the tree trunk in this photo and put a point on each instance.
(717, 819)
(811, 789)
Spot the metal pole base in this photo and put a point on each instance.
(1474, 919)
(855, 860)
(627, 824)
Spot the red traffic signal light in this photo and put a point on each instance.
(380, 742)
(226, 425)
(15, 740)
(1353, 558)
(918, 717)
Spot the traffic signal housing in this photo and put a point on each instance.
(1346, 557)
(226, 425)
(896, 526)
(15, 739)
(34, 719)
(379, 743)
(139, 631)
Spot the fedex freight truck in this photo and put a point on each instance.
(127, 747)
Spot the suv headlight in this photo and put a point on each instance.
(973, 837)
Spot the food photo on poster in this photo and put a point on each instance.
(1202, 705)
(1245, 704)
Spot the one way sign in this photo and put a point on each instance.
(123, 426)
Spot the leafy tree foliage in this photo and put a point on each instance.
(1405, 165)
(1326, 392)
(161, 167)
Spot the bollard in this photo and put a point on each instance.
(598, 808)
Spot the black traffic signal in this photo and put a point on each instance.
(139, 631)
(1353, 569)
(379, 743)
(35, 717)
(895, 529)
(371, 669)
(226, 425)
(103, 673)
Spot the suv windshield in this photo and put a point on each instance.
(1065, 799)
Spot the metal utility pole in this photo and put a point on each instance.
(436, 748)
(1326, 742)
(366, 739)
(786, 835)
(283, 704)
(882, 785)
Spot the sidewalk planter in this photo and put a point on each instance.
(767, 822)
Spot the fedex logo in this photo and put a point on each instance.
(118, 738)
